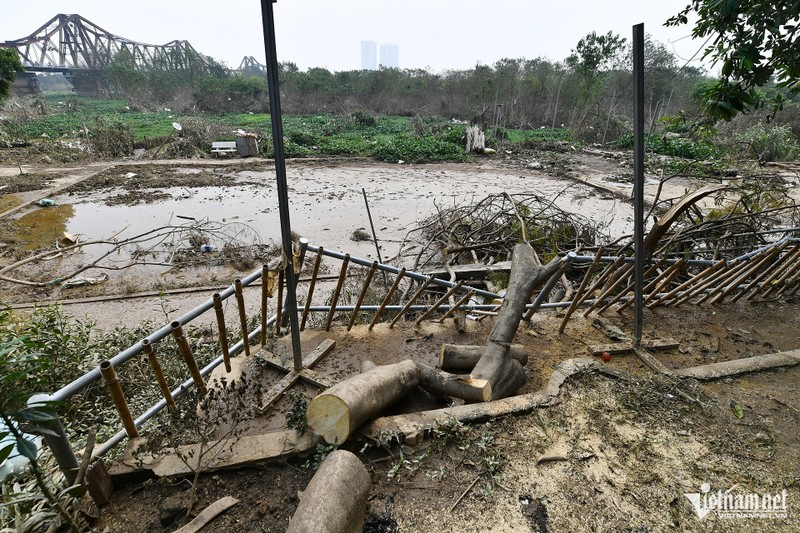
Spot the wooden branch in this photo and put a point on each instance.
(339, 411)
(465, 357)
(440, 383)
(504, 375)
(335, 500)
(740, 366)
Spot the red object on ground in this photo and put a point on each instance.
(606, 357)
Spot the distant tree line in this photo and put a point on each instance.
(590, 92)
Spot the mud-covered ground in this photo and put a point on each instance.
(616, 454)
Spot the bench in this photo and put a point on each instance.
(223, 147)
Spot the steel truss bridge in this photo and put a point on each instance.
(70, 43)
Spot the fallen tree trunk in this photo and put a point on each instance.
(504, 375)
(336, 413)
(335, 500)
(465, 357)
(441, 383)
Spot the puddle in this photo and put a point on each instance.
(9, 201)
(42, 227)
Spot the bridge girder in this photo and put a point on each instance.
(70, 42)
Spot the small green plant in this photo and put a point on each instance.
(776, 143)
(296, 411)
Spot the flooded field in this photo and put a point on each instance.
(327, 206)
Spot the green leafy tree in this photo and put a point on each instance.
(595, 54)
(9, 66)
(755, 42)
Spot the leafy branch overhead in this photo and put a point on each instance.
(754, 42)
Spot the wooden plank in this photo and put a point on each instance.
(318, 379)
(319, 352)
(627, 347)
(654, 364)
(740, 366)
(277, 390)
(245, 451)
(614, 349)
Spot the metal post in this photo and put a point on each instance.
(638, 181)
(268, 21)
(57, 441)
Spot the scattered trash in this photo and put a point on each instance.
(606, 357)
(69, 239)
(81, 281)
(45, 202)
(206, 248)
(610, 330)
(737, 410)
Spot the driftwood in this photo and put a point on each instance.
(340, 410)
(740, 366)
(496, 372)
(465, 357)
(335, 499)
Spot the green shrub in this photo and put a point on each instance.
(416, 149)
(673, 146)
(111, 138)
(769, 144)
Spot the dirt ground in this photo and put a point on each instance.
(615, 454)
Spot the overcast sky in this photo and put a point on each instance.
(433, 34)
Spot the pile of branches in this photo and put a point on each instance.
(485, 232)
(196, 243)
(763, 211)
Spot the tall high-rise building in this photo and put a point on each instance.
(369, 55)
(390, 55)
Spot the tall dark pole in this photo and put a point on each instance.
(638, 181)
(280, 171)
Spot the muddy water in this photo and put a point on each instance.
(42, 227)
(327, 204)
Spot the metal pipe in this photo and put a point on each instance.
(457, 305)
(370, 274)
(162, 382)
(268, 23)
(93, 375)
(394, 270)
(223, 333)
(102, 449)
(279, 322)
(759, 264)
(576, 299)
(337, 291)
(57, 439)
(265, 296)
(603, 276)
(545, 292)
(439, 302)
(789, 269)
(411, 301)
(773, 270)
(118, 397)
(668, 275)
(237, 286)
(311, 287)
(186, 353)
(400, 275)
(638, 181)
(677, 291)
(628, 271)
(628, 287)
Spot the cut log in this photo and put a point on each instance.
(335, 500)
(441, 383)
(465, 357)
(504, 375)
(208, 514)
(339, 411)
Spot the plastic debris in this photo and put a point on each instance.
(81, 281)
(45, 202)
